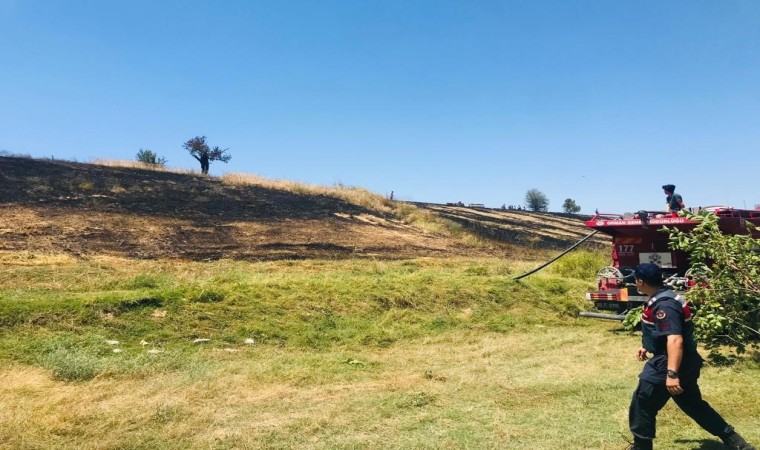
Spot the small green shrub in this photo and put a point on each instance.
(69, 357)
(71, 365)
(149, 157)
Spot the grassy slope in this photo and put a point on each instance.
(425, 353)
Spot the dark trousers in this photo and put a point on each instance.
(649, 398)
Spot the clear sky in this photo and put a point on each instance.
(439, 101)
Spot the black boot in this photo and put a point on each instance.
(640, 444)
(736, 442)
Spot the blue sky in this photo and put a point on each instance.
(439, 101)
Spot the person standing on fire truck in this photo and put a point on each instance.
(674, 201)
(667, 333)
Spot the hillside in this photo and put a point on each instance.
(60, 206)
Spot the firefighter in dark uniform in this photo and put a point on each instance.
(674, 202)
(673, 370)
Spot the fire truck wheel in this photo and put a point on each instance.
(609, 272)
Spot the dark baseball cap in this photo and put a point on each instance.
(649, 272)
(669, 187)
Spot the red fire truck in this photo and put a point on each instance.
(638, 238)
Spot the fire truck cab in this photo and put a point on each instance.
(638, 238)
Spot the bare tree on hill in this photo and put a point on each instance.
(200, 150)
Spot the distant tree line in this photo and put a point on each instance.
(536, 200)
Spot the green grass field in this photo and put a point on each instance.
(111, 353)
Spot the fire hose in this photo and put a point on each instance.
(556, 257)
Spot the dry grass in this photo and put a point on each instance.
(409, 214)
(139, 165)
(356, 195)
(383, 215)
(537, 225)
(547, 388)
(35, 259)
(120, 233)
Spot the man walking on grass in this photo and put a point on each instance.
(667, 333)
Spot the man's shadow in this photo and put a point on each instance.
(702, 444)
